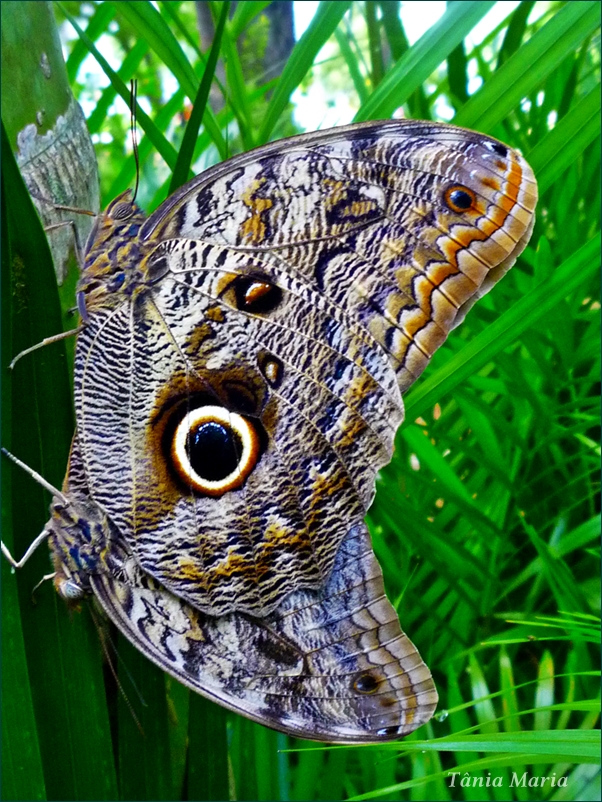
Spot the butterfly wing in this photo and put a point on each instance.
(331, 664)
(302, 377)
(276, 307)
(402, 224)
(299, 289)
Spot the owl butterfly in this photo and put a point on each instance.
(238, 384)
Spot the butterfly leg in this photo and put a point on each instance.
(71, 223)
(78, 256)
(65, 585)
(36, 476)
(46, 341)
(76, 241)
(41, 538)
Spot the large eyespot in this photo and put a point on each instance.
(214, 450)
(459, 198)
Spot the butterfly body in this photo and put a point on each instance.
(238, 386)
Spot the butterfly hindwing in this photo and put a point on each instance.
(329, 664)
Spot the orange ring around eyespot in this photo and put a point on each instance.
(456, 207)
(232, 420)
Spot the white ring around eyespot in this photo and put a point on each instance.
(235, 422)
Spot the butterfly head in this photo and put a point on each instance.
(117, 220)
(122, 208)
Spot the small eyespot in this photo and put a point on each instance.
(389, 732)
(256, 294)
(496, 147)
(366, 682)
(272, 369)
(214, 450)
(459, 198)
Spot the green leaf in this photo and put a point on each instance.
(244, 13)
(148, 23)
(525, 71)
(22, 774)
(98, 24)
(185, 156)
(63, 652)
(143, 723)
(326, 19)
(422, 59)
(563, 145)
(166, 150)
(544, 692)
(208, 735)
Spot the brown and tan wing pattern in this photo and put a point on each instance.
(328, 665)
(324, 405)
(298, 289)
(237, 387)
(331, 664)
(403, 224)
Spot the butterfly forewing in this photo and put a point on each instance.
(237, 387)
(401, 224)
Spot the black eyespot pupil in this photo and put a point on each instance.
(256, 295)
(460, 199)
(366, 683)
(388, 731)
(500, 149)
(213, 450)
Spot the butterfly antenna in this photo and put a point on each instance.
(133, 104)
(105, 642)
(36, 476)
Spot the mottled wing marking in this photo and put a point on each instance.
(299, 288)
(358, 213)
(328, 665)
(372, 268)
(330, 425)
